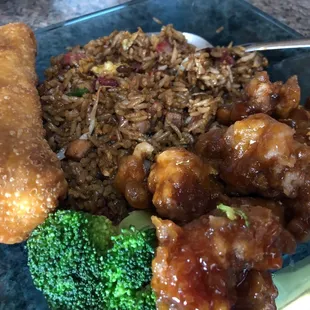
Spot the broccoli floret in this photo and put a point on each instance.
(78, 262)
(145, 299)
(128, 270)
(65, 259)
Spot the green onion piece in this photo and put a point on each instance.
(233, 213)
(78, 92)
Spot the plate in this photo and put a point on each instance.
(241, 22)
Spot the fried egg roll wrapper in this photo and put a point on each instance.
(31, 179)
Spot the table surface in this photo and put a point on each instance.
(41, 13)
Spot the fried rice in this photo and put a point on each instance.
(126, 88)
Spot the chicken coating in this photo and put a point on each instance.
(31, 179)
(201, 265)
(180, 183)
(262, 96)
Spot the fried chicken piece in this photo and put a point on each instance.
(131, 177)
(200, 265)
(257, 292)
(180, 183)
(287, 97)
(262, 96)
(209, 145)
(299, 224)
(257, 98)
(259, 91)
(276, 98)
(259, 151)
(31, 178)
(260, 156)
(277, 207)
(299, 120)
(246, 150)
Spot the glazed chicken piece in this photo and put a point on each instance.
(256, 292)
(180, 183)
(131, 177)
(260, 156)
(258, 92)
(209, 145)
(262, 96)
(201, 265)
(277, 207)
(287, 97)
(299, 120)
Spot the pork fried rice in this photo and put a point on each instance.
(100, 100)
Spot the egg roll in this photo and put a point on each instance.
(31, 178)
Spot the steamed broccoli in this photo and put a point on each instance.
(128, 268)
(145, 299)
(79, 262)
(64, 258)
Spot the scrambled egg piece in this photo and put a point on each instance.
(106, 68)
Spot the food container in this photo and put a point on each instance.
(239, 22)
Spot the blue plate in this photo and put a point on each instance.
(242, 24)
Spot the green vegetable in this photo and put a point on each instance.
(233, 213)
(78, 92)
(128, 268)
(145, 299)
(64, 258)
(78, 262)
